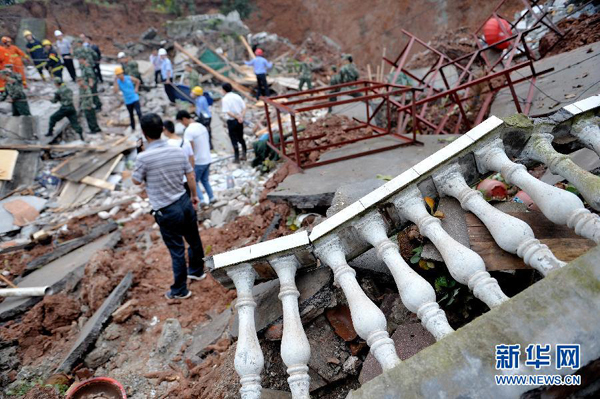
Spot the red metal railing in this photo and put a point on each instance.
(295, 148)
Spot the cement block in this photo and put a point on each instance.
(92, 329)
(207, 334)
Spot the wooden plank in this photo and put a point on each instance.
(103, 184)
(85, 164)
(562, 241)
(66, 147)
(231, 64)
(248, 48)
(241, 89)
(8, 160)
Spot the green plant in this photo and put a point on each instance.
(242, 6)
(417, 254)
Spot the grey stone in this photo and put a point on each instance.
(314, 297)
(59, 273)
(454, 223)
(352, 365)
(330, 346)
(149, 34)
(92, 329)
(6, 218)
(207, 334)
(274, 394)
(369, 261)
(352, 192)
(170, 340)
(409, 339)
(555, 310)
(584, 158)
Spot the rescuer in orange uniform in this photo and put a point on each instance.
(15, 57)
(3, 62)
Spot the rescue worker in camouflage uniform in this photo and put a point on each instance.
(348, 72)
(36, 52)
(88, 73)
(81, 51)
(130, 67)
(86, 105)
(193, 77)
(305, 70)
(335, 79)
(14, 89)
(64, 95)
(53, 62)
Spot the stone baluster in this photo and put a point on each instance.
(367, 318)
(559, 206)
(510, 233)
(249, 359)
(587, 132)
(295, 349)
(464, 265)
(539, 148)
(416, 293)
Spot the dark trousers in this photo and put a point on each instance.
(65, 112)
(57, 72)
(262, 87)
(206, 123)
(40, 68)
(157, 77)
(178, 221)
(98, 73)
(90, 117)
(170, 92)
(20, 108)
(134, 106)
(68, 62)
(97, 102)
(236, 134)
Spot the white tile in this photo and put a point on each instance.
(588, 103)
(389, 188)
(484, 127)
(231, 257)
(443, 155)
(573, 109)
(279, 245)
(336, 220)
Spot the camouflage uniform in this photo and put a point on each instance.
(87, 53)
(14, 89)
(86, 105)
(64, 95)
(305, 75)
(89, 76)
(193, 78)
(335, 80)
(132, 69)
(349, 73)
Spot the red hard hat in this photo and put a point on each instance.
(259, 51)
(494, 32)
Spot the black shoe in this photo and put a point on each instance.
(49, 134)
(168, 295)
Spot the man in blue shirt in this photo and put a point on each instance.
(261, 67)
(203, 113)
(166, 72)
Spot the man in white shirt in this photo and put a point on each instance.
(175, 141)
(234, 108)
(197, 135)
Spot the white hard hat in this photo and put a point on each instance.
(162, 51)
(121, 55)
(57, 33)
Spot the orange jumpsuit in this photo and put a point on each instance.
(3, 61)
(16, 56)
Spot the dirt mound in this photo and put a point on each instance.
(453, 44)
(40, 392)
(577, 32)
(42, 326)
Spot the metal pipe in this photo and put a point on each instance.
(25, 292)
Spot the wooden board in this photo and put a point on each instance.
(8, 160)
(93, 181)
(562, 241)
(87, 163)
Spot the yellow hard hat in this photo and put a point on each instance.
(118, 70)
(198, 91)
(46, 42)
(27, 33)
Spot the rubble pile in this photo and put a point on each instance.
(577, 33)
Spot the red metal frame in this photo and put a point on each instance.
(326, 97)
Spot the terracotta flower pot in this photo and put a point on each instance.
(523, 197)
(492, 188)
(104, 386)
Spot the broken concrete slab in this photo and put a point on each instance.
(317, 186)
(409, 340)
(93, 327)
(584, 158)
(207, 334)
(274, 394)
(7, 220)
(314, 297)
(369, 261)
(329, 352)
(453, 222)
(56, 274)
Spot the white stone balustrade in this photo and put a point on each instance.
(416, 293)
(587, 132)
(510, 233)
(539, 148)
(559, 206)
(368, 320)
(295, 349)
(249, 359)
(464, 265)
